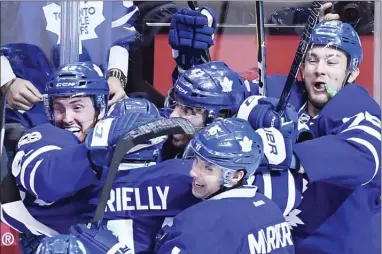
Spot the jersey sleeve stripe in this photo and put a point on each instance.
(32, 176)
(372, 150)
(291, 194)
(366, 129)
(33, 156)
(267, 185)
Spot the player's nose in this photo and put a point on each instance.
(193, 172)
(68, 117)
(175, 112)
(320, 68)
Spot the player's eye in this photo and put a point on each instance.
(311, 59)
(77, 107)
(58, 110)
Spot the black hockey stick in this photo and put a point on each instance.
(193, 5)
(260, 33)
(170, 126)
(300, 54)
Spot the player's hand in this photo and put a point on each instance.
(83, 240)
(192, 30)
(260, 112)
(21, 94)
(116, 90)
(278, 131)
(328, 16)
(278, 150)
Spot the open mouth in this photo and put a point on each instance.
(319, 86)
(74, 130)
(198, 184)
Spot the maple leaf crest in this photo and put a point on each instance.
(226, 85)
(91, 16)
(246, 144)
(292, 218)
(214, 130)
(197, 73)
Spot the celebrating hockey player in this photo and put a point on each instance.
(342, 162)
(202, 94)
(60, 168)
(233, 218)
(344, 169)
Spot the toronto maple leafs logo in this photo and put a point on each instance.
(214, 130)
(246, 144)
(197, 73)
(91, 16)
(226, 85)
(292, 218)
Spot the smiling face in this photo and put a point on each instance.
(324, 65)
(77, 115)
(207, 178)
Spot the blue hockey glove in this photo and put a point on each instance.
(278, 131)
(83, 240)
(99, 240)
(65, 244)
(278, 150)
(101, 140)
(191, 33)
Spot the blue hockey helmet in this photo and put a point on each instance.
(149, 152)
(230, 144)
(212, 86)
(128, 105)
(340, 36)
(77, 80)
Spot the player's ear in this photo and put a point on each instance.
(353, 75)
(238, 176)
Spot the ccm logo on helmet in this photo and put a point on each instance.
(66, 84)
(181, 89)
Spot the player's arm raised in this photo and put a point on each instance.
(348, 152)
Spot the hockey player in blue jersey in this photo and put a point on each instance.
(233, 218)
(60, 170)
(202, 94)
(217, 93)
(344, 130)
(220, 157)
(343, 194)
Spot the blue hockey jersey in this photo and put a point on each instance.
(58, 194)
(342, 164)
(236, 221)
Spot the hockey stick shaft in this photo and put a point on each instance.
(260, 32)
(142, 134)
(193, 5)
(300, 54)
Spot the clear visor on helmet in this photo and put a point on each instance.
(172, 103)
(84, 106)
(190, 153)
